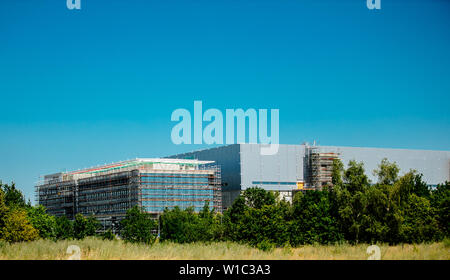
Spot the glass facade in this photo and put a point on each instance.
(167, 190)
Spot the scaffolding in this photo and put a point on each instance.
(107, 195)
(215, 181)
(57, 197)
(168, 189)
(108, 191)
(319, 168)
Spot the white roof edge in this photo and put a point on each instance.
(174, 160)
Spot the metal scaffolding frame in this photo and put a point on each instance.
(108, 191)
(319, 167)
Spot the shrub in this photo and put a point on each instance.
(186, 226)
(138, 227)
(83, 227)
(108, 235)
(44, 223)
(265, 245)
(17, 228)
(63, 228)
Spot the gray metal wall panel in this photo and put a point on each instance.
(227, 157)
(434, 165)
(285, 166)
(243, 164)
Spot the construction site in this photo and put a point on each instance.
(218, 176)
(108, 191)
(318, 168)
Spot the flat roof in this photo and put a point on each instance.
(138, 162)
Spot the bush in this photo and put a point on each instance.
(265, 246)
(313, 220)
(83, 227)
(138, 227)
(17, 228)
(420, 224)
(63, 228)
(108, 235)
(186, 226)
(12, 196)
(3, 212)
(256, 217)
(42, 222)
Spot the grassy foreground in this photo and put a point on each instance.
(97, 249)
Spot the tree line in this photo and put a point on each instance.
(20, 221)
(393, 210)
(396, 209)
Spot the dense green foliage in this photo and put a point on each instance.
(185, 226)
(313, 219)
(440, 201)
(258, 218)
(396, 209)
(12, 196)
(14, 223)
(17, 228)
(19, 221)
(138, 226)
(83, 227)
(44, 223)
(63, 228)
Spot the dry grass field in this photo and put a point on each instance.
(97, 249)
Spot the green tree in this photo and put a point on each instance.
(265, 225)
(233, 219)
(239, 220)
(3, 212)
(313, 219)
(420, 224)
(411, 183)
(381, 217)
(355, 178)
(185, 226)
(138, 226)
(258, 219)
(83, 227)
(63, 228)
(351, 201)
(209, 224)
(387, 172)
(337, 173)
(108, 235)
(440, 201)
(13, 197)
(256, 197)
(42, 222)
(420, 187)
(180, 226)
(17, 228)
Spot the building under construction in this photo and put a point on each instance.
(108, 191)
(318, 168)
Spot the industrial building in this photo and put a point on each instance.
(302, 167)
(217, 175)
(108, 191)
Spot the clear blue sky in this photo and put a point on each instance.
(81, 88)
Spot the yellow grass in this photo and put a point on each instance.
(97, 249)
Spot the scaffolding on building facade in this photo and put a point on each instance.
(319, 168)
(108, 191)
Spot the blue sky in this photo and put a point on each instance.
(85, 87)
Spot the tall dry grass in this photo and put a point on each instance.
(97, 249)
